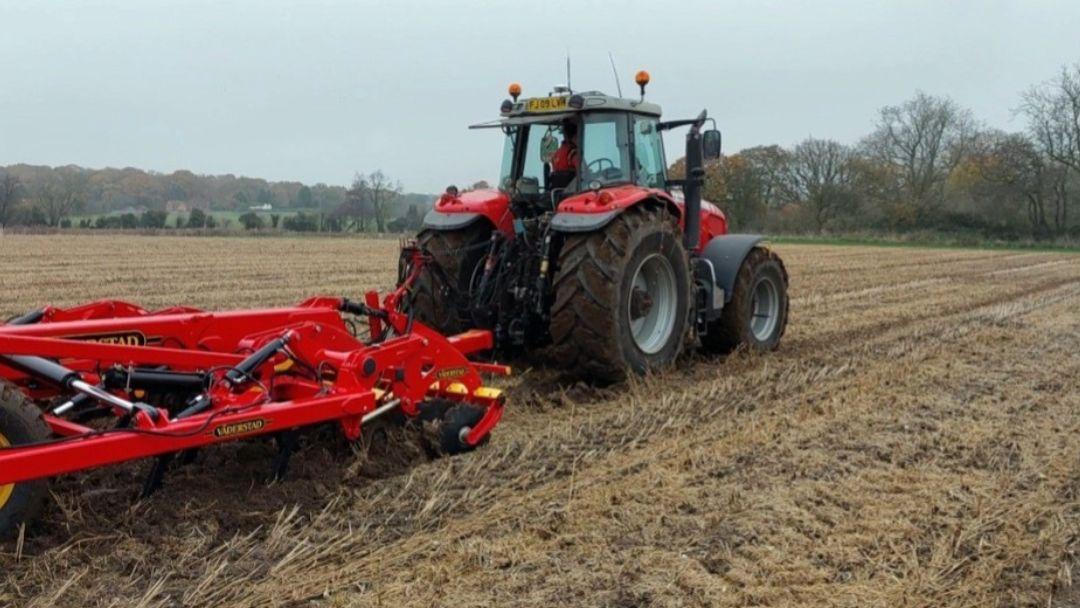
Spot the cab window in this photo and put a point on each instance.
(533, 167)
(540, 141)
(604, 149)
(506, 177)
(648, 153)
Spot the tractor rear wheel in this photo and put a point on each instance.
(621, 297)
(456, 257)
(20, 424)
(758, 312)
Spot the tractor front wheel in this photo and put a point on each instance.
(20, 424)
(758, 312)
(622, 297)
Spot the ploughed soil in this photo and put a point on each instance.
(914, 441)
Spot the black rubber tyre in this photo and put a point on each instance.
(20, 424)
(736, 325)
(456, 422)
(456, 253)
(595, 291)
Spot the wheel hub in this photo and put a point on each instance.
(652, 305)
(640, 303)
(765, 309)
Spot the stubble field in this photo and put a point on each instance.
(914, 442)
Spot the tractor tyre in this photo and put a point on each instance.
(621, 297)
(20, 424)
(456, 255)
(758, 312)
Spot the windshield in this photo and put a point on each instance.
(530, 155)
(605, 149)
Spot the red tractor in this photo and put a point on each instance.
(606, 263)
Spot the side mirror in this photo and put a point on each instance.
(710, 142)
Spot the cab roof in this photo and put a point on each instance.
(554, 108)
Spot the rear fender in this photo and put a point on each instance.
(438, 220)
(591, 211)
(726, 254)
(453, 212)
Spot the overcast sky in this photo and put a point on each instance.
(319, 90)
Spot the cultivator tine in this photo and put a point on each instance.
(156, 477)
(286, 442)
(187, 457)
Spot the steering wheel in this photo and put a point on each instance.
(650, 178)
(599, 165)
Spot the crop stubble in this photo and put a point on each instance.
(914, 442)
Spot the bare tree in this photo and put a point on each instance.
(382, 191)
(10, 191)
(820, 177)
(357, 206)
(1053, 112)
(924, 138)
(771, 164)
(1013, 163)
(62, 195)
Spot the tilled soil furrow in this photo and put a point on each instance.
(839, 470)
(615, 432)
(536, 504)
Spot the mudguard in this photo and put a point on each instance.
(726, 254)
(449, 221)
(594, 209)
(454, 211)
(582, 222)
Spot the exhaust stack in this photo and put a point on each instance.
(695, 179)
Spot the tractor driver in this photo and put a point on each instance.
(564, 163)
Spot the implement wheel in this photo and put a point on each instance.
(450, 423)
(758, 312)
(456, 423)
(456, 255)
(622, 297)
(20, 424)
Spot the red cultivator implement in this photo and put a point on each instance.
(171, 381)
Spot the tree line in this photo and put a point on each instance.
(73, 196)
(927, 165)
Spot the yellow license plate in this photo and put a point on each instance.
(546, 104)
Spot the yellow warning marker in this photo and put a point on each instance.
(6, 490)
(488, 393)
(458, 389)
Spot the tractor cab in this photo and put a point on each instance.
(614, 141)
